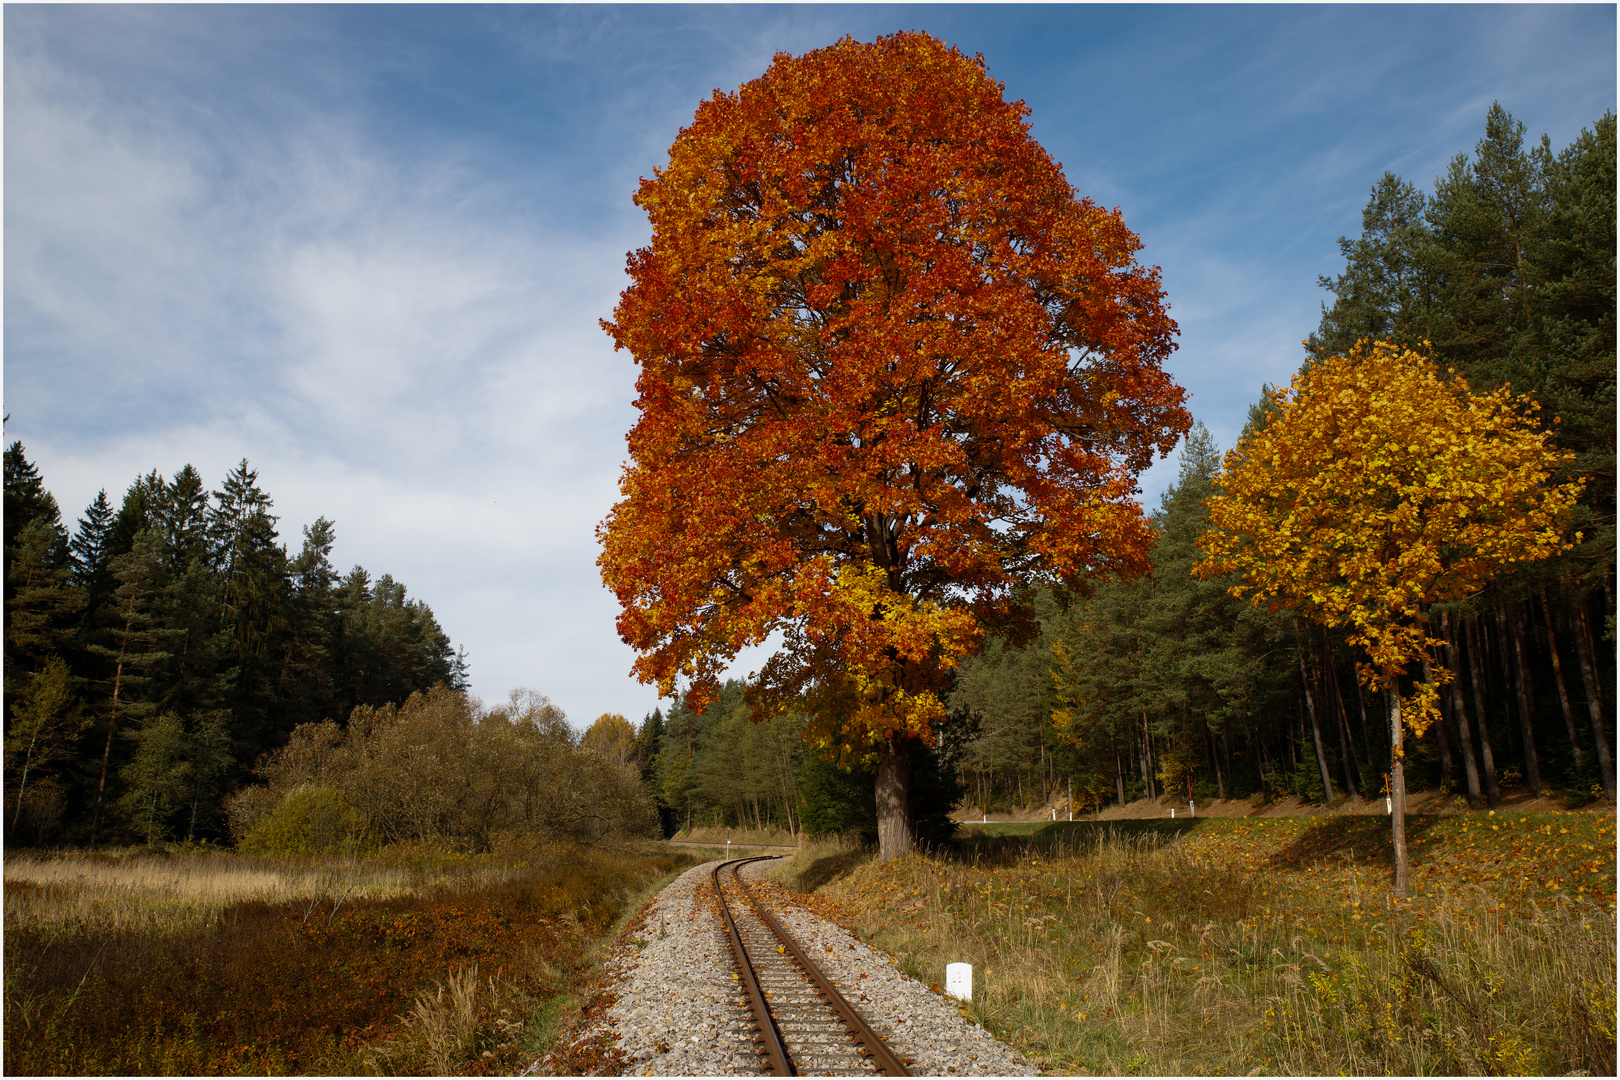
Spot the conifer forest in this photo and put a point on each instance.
(156, 648)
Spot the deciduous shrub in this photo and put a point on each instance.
(310, 821)
(441, 768)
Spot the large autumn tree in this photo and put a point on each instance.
(1375, 489)
(893, 372)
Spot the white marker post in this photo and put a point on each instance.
(959, 981)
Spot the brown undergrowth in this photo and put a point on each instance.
(410, 962)
(1268, 947)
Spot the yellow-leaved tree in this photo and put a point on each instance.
(1377, 488)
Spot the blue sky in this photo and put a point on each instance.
(367, 247)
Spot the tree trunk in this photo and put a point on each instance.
(1493, 794)
(1226, 752)
(1119, 776)
(1511, 628)
(1142, 760)
(1214, 762)
(1361, 705)
(1316, 728)
(22, 786)
(1397, 790)
(1440, 732)
(894, 797)
(1465, 740)
(1352, 768)
(112, 725)
(1563, 691)
(1594, 701)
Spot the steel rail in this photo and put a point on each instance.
(854, 1023)
(775, 1048)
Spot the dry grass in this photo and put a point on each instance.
(818, 862)
(409, 961)
(703, 834)
(450, 1022)
(1120, 951)
(155, 892)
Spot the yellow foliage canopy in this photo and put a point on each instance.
(1378, 488)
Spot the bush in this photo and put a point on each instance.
(439, 769)
(310, 821)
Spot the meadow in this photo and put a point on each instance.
(1261, 946)
(410, 960)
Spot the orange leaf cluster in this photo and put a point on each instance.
(892, 370)
(1378, 488)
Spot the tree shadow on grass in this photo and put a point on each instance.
(1009, 840)
(1357, 840)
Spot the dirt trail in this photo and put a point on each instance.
(1418, 802)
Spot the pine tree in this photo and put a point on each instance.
(1484, 216)
(1217, 660)
(1386, 289)
(134, 645)
(1566, 355)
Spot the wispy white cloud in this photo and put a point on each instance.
(388, 345)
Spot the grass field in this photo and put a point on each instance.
(411, 961)
(1232, 946)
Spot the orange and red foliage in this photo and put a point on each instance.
(893, 370)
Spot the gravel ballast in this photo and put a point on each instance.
(679, 1012)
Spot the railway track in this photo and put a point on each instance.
(804, 1025)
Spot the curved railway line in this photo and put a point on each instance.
(804, 1025)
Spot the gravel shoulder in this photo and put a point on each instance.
(678, 1011)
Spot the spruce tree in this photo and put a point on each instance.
(27, 501)
(138, 511)
(182, 515)
(91, 549)
(304, 680)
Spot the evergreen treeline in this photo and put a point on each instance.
(153, 654)
(1167, 685)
